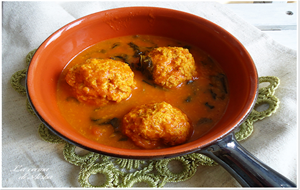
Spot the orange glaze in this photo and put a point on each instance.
(204, 100)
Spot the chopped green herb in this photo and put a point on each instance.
(95, 120)
(213, 95)
(223, 81)
(137, 51)
(204, 121)
(123, 139)
(114, 122)
(149, 83)
(146, 66)
(101, 121)
(154, 85)
(209, 106)
(122, 57)
(103, 51)
(188, 99)
(115, 45)
(99, 108)
(220, 82)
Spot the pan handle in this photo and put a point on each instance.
(243, 166)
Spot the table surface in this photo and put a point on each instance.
(278, 20)
(271, 19)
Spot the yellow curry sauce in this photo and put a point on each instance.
(203, 100)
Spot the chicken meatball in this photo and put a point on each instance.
(169, 66)
(152, 124)
(100, 81)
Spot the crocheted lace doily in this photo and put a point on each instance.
(156, 173)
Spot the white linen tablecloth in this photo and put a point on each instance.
(27, 24)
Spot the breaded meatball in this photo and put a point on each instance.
(150, 124)
(99, 81)
(169, 66)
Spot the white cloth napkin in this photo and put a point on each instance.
(27, 24)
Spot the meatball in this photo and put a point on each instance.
(154, 123)
(169, 66)
(100, 81)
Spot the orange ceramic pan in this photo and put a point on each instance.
(56, 51)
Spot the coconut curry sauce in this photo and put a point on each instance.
(203, 100)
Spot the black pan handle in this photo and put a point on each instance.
(243, 166)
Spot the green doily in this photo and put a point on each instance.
(126, 172)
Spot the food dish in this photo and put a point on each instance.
(200, 92)
(170, 66)
(151, 123)
(99, 81)
(73, 38)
